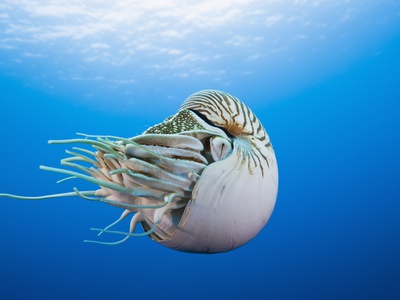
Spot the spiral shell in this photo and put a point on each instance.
(205, 180)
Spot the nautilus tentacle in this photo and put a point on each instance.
(204, 180)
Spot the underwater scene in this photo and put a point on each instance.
(200, 149)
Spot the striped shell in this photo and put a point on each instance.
(205, 180)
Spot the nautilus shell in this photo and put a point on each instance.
(204, 180)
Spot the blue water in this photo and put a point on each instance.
(334, 233)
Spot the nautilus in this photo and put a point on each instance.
(205, 180)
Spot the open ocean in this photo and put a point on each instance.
(322, 76)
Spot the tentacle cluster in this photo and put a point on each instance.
(151, 175)
(151, 181)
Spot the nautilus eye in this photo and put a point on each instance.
(204, 180)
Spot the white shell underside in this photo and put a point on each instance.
(226, 210)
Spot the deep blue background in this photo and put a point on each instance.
(335, 232)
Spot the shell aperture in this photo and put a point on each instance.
(204, 180)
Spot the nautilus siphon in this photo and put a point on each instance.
(204, 180)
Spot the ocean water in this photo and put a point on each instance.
(323, 78)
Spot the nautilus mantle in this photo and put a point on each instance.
(205, 180)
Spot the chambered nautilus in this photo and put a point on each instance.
(205, 180)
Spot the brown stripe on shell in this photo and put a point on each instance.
(225, 110)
